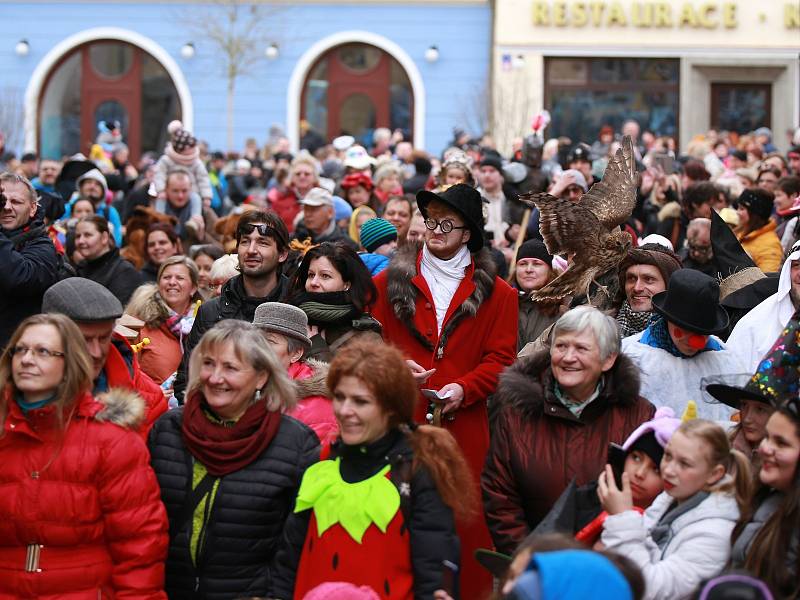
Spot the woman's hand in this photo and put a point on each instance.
(613, 499)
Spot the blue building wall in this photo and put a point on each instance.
(460, 31)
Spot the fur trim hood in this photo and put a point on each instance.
(526, 383)
(316, 385)
(122, 407)
(671, 210)
(146, 304)
(402, 294)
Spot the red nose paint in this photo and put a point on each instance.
(697, 342)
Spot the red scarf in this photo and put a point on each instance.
(222, 449)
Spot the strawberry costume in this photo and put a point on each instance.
(366, 518)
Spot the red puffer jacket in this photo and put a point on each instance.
(80, 510)
(314, 407)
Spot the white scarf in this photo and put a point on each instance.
(443, 278)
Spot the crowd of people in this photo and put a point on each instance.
(353, 372)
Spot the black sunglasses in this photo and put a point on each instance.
(263, 230)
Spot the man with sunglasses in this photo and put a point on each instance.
(262, 248)
(456, 323)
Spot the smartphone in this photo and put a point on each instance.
(450, 578)
(616, 458)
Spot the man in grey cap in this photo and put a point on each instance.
(94, 309)
(285, 328)
(318, 221)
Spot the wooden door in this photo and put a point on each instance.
(111, 89)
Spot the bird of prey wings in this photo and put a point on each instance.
(567, 227)
(613, 199)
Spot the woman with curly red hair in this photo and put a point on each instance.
(381, 510)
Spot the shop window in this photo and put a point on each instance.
(353, 89)
(741, 107)
(106, 80)
(583, 94)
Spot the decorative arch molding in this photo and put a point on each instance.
(294, 90)
(37, 81)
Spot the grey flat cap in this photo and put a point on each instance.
(81, 300)
(282, 318)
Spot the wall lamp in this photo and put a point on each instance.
(272, 51)
(22, 48)
(187, 50)
(432, 54)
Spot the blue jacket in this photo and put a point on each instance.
(104, 210)
(375, 262)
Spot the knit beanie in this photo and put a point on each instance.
(757, 202)
(180, 138)
(535, 249)
(664, 260)
(377, 232)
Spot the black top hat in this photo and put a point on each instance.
(692, 301)
(465, 200)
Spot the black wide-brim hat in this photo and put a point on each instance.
(466, 201)
(692, 302)
(732, 396)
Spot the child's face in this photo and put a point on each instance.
(358, 196)
(686, 467)
(645, 478)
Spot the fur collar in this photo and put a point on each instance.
(402, 293)
(526, 383)
(671, 210)
(146, 304)
(122, 407)
(316, 385)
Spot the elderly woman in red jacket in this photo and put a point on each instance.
(80, 512)
(556, 413)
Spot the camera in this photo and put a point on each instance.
(2, 199)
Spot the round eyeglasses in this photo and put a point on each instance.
(446, 225)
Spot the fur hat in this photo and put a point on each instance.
(666, 261)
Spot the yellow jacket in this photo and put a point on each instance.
(764, 247)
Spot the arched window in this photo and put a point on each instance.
(105, 80)
(353, 89)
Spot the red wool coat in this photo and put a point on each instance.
(82, 512)
(479, 337)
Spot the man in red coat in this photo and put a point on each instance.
(456, 322)
(95, 310)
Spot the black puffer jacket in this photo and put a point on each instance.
(247, 516)
(232, 303)
(28, 266)
(432, 526)
(113, 272)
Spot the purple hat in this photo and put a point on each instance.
(652, 436)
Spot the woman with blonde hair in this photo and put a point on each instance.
(168, 309)
(381, 510)
(80, 514)
(684, 537)
(229, 464)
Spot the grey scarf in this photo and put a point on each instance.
(662, 531)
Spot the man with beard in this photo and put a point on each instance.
(643, 273)
(754, 334)
(262, 247)
(28, 261)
